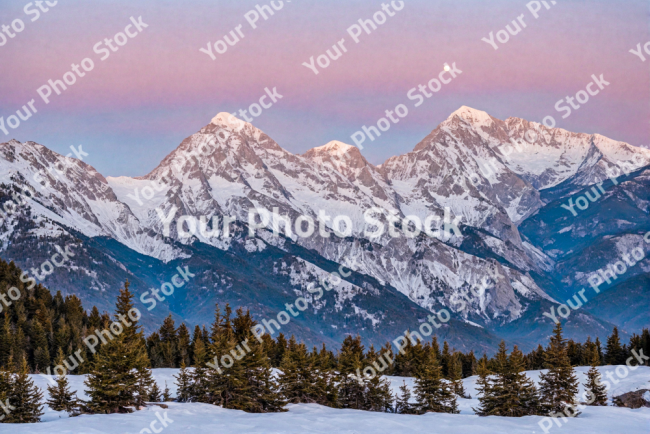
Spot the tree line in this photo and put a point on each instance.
(119, 373)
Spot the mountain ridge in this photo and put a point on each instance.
(460, 171)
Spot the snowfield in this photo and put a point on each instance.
(312, 418)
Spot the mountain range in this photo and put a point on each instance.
(508, 184)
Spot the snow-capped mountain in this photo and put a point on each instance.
(487, 175)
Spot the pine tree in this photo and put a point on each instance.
(575, 353)
(536, 359)
(456, 375)
(119, 376)
(508, 391)
(277, 351)
(469, 364)
(41, 351)
(445, 360)
(60, 396)
(185, 385)
(523, 395)
(487, 396)
(559, 386)
(298, 381)
(166, 396)
(403, 405)
(596, 391)
(615, 354)
(352, 382)
(6, 387)
(433, 393)
(248, 384)
(154, 394)
(645, 341)
(378, 396)
(183, 346)
(25, 398)
(166, 349)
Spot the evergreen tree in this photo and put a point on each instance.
(185, 385)
(645, 341)
(378, 396)
(387, 352)
(277, 350)
(469, 364)
(248, 383)
(615, 354)
(522, 393)
(40, 345)
(196, 336)
(436, 348)
(599, 347)
(508, 392)
(352, 382)
(595, 390)
(119, 377)
(25, 398)
(559, 386)
(456, 374)
(445, 360)
(535, 360)
(575, 353)
(60, 396)
(166, 349)
(6, 388)
(183, 346)
(154, 394)
(487, 396)
(433, 393)
(403, 405)
(298, 381)
(166, 396)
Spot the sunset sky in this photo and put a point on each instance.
(140, 103)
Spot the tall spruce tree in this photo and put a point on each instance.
(352, 382)
(25, 398)
(247, 384)
(183, 346)
(615, 354)
(119, 377)
(456, 374)
(595, 390)
(298, 380)
(433, 393)
(184, 385)
(521, 391)
(559, 386)
(508, 392)
(487, 397)
(41, 351)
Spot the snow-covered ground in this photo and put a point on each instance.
(311, 418)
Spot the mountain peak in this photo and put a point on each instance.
(225, 119)
(472, 115)
(334, 147)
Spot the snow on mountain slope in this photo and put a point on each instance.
(76, 195)
(230, 167)
(549, 157)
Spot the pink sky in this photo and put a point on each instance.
(137, 106)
